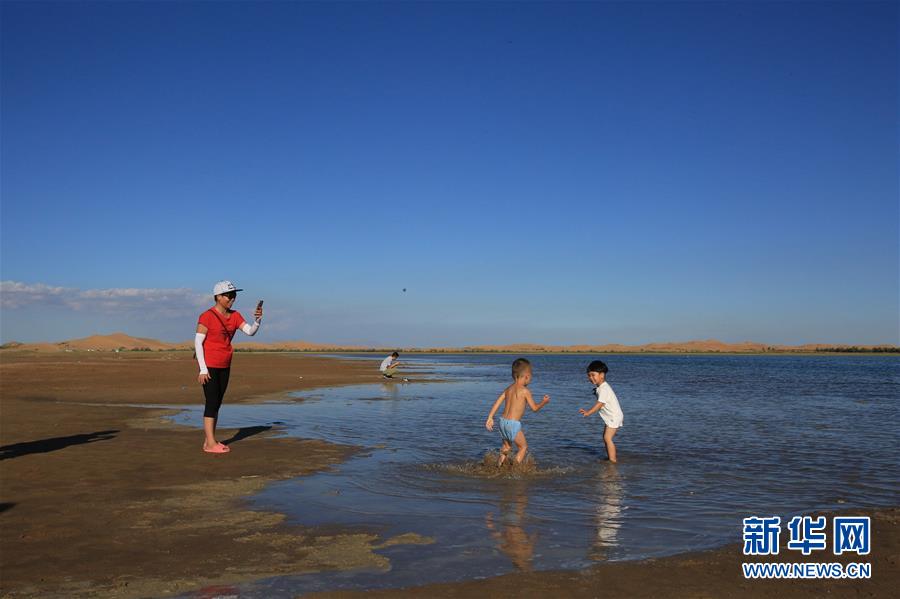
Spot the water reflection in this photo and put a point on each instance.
(608, 512)
(389, 390)
(509, 529)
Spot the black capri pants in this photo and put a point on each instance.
(214, 391)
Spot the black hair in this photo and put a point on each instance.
(520, 367)
(597, 366)
(395, 355)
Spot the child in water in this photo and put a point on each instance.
(515, 396)
(607, 404)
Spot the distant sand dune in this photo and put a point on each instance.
(122, 341)
(115, 341)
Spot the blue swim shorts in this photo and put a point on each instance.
(509, 429)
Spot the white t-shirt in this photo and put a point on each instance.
(386, 363)
(611, 412)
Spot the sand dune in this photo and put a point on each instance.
(116, 341)
(112, 342)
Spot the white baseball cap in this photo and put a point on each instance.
(224, 287)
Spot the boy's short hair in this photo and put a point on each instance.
(395, 355)
(520, 367)
(597, 366)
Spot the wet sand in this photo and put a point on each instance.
(113, 500)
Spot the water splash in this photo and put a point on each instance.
(488, 468)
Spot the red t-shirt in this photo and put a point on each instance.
(217, 346)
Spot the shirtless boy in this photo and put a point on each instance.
(515, 396)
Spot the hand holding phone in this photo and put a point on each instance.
(258, 313)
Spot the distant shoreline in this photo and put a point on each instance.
(449, 352)
(889, 352)
(118, 342)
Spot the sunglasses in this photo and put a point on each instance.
(230, 295)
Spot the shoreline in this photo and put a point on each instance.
(426, 352)
(573, 353)
(122, 342)
(123, 502)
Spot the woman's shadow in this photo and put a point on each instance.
(16, 450)
(243, 433)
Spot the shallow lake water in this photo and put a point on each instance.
(707, 440)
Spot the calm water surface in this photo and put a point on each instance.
(707, 440)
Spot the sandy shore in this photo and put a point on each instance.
(112, 500)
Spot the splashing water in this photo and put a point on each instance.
(489, 467)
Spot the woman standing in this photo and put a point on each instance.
(215, 329)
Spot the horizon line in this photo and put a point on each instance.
(129, 341)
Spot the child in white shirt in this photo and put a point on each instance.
(607, 404)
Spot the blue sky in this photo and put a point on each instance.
(529, 172)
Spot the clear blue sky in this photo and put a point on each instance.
(529, 172)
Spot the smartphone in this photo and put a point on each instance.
(259, 304)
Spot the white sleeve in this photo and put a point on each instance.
(601, 395)
(250, 329)
(198, 347)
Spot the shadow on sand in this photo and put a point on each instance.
(16, 450)
(247, 431)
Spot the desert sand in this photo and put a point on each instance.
(99, 498)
